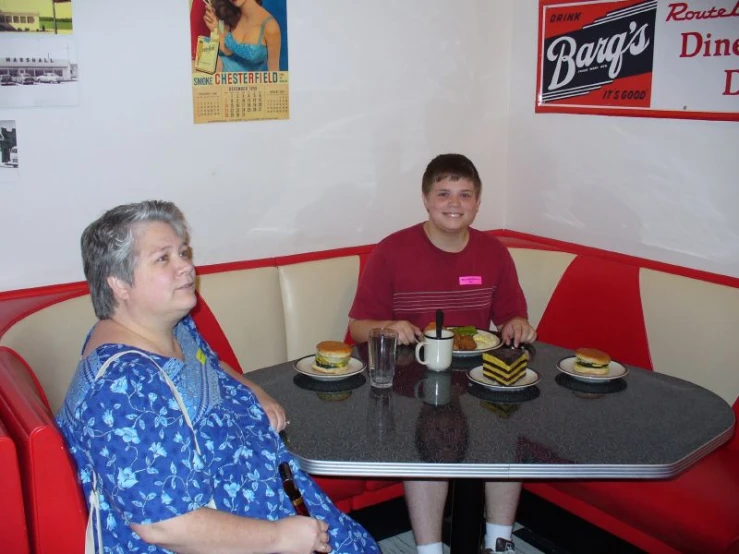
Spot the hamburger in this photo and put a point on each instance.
(332, 356)
(591, 361)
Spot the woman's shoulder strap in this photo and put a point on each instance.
(114, 357)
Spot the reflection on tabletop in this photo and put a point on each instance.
(442, 433)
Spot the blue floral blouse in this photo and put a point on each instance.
(128, 429)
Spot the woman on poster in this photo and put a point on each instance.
(251, 38)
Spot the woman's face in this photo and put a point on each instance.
(452, 204)
(164, 276)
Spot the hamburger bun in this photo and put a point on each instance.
(332, 356)
(591, 361)
(431, 327)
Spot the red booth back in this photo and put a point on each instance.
(13, 532)
(597, 304)
(55, 508)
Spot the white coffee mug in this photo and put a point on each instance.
(434, 388)
(437, 353)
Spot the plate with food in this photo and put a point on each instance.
(471, 341)
(528, 378)
(592, 365)
(332, 361)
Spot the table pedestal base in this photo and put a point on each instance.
(468, 502)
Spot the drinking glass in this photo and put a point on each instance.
(382, 345)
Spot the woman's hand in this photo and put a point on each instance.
(206, 530)
(517, 330)
(303, 535)
(274, 410)
(211, 21)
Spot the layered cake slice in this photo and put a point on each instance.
(504, 365)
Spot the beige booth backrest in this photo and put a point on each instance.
(272, 315)
(539, 272)
(693, 330)
(317, 297)
(51, 340)
(248, 306)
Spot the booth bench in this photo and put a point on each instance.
(260, 313)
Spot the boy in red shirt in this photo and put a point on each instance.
(445, 264)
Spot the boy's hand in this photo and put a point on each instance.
(517, 331)
(407, 332)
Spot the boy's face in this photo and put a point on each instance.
(452, 204)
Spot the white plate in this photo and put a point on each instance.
(615, 371)
(305, 366)
(478, 351)
(529, 379)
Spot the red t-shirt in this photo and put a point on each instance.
(408, 278)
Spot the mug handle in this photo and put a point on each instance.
(415, 389)
(418, 353)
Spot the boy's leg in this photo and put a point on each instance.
(501, 503)
(425, 501)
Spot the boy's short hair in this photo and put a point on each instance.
(450, 166)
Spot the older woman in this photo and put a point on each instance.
(174, 449)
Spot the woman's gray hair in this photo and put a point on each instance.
(108, 247)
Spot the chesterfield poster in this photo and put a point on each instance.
(239, 54)
(648, 58)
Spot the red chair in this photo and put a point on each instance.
(56, 513)
(13, 531)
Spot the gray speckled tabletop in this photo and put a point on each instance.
(645, 425)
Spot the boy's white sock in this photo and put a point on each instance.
(434, 548)
(493, 531)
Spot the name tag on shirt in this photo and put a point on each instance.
(470, 280)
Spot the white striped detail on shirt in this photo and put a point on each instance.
(404, 302)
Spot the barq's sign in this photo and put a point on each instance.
(650, 58)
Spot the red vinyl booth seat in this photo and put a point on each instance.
(698, 509)
(55, 509)
(598, 303)
(13, 532)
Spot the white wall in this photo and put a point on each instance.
(662, 189)
(377, 89)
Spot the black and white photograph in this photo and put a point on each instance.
(8, 152)
(37, 70)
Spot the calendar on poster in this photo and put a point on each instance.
(239, 60)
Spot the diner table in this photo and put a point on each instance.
(645, 425)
